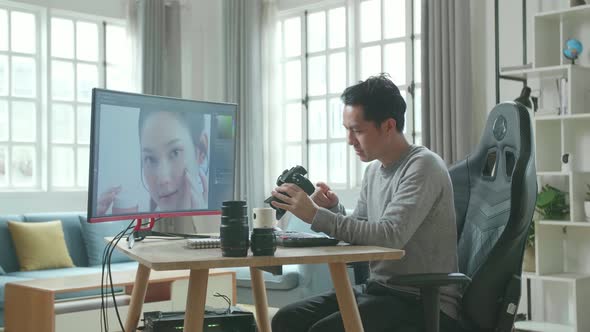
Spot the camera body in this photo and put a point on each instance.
(295, 175)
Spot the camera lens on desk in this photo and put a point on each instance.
(233, 231)
(263, 242)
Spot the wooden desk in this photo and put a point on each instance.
(153, 254)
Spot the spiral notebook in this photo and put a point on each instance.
(203, 243)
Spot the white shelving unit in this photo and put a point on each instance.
(560, 286)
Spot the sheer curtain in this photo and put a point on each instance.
(271, 96)
(244, 70)
(446, 77)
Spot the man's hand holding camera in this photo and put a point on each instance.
(296, 201)
(300, 204)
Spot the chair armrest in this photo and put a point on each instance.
(429, 284)
(430, 279)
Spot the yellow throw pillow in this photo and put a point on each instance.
(40, 245)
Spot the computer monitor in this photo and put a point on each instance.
(153, 157)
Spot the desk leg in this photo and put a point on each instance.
(28, 309)
(346, 301)
(195, 300)
(142, 277)
(260, 300)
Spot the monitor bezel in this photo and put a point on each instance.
(94, 117)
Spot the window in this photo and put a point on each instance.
(322, 52)
(49, 64)
(20, 116)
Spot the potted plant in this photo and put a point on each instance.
(552, 203)
(587, 204)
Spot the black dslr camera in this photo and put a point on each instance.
(296, 176)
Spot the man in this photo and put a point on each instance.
(406, 201)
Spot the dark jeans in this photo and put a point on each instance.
(380, 310)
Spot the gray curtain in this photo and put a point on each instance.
(446, 78)
(243, 68)
(154, 26)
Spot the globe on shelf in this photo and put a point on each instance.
(572, 49)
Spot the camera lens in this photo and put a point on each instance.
(233, 231)
(263, 242)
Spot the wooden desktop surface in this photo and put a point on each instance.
(160, 254)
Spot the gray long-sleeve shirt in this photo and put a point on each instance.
(407, 205)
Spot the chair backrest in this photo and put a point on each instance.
(495, 191)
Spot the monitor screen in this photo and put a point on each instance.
(153, 156)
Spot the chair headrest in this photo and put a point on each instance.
(506, 133)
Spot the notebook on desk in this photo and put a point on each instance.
(302, 239)
(203, 243)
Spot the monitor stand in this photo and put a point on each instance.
(140, 233)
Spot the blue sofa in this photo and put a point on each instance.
(75, 242)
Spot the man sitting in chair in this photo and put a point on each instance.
(406, 201)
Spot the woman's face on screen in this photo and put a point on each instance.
(167, 151)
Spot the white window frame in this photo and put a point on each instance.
(44, 100)
(353, 47)
(40, 20)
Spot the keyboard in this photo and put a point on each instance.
(301, 239)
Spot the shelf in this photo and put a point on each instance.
(576, 116)
(548, 117)
(565, 223)
(529, 325)
(569, 117)
(539, 72)
(559, 277)
(555, 173)
(577, 12)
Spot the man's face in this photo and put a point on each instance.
(367, 139)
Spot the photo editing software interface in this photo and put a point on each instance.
(153, 156)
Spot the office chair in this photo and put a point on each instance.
(495, 190)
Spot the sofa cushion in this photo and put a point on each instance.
(94, 234)
(288, 280)
(2, 272)
(71, 227)
(8, 254)
(3, 281)
(40, 245)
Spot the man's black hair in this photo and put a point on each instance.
(380, 99)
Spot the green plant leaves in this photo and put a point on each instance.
(552, 203)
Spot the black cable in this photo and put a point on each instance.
(122, 234)
(106, 262)
(227, 299)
